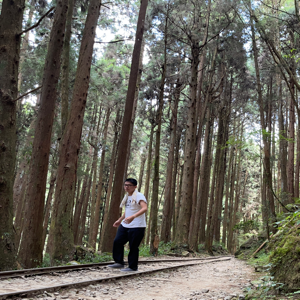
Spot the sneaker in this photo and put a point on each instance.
(116, 266)
(128, 270)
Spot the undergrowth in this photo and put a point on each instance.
(281, 263)
(261, 260)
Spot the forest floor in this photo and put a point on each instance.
(218, 280)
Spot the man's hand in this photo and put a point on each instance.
(117, 223)
(128, 220)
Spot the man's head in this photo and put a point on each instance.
(130, 185)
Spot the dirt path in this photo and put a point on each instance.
(219, 280)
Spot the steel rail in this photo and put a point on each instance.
(103, 279)
(39, 271)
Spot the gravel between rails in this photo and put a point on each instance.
(50, 282)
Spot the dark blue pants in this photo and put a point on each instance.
(132, 235)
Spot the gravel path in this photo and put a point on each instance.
(219, 280)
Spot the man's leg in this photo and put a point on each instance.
(135, 236)
(118, 248)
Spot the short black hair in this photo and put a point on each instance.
(132, 180)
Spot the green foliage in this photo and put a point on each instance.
(96, 258)
(285, 251)
(246, 226)
(46, 261)
(266, 288)
(261, 260)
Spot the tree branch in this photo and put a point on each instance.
(27, 93)
(112, 42)
(39, 21)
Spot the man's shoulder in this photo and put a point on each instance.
(141, 196)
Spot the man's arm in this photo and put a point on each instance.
(119, 221)
(144, 208)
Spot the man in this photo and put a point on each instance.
(131, 229)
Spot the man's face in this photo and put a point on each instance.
(129, 187)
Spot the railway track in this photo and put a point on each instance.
(24, 283)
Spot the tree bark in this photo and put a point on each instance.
(169, 200)
(19, 215)
(265, 138)
(213, 232)
(155, 187)
(182, 230)
(61, 229)
(79, 203)
(31, 248)
(94, 144)
(142, 169)
(111, 176)
(48, 205)
(24, 48)
(149, 162)
(226, 206)
(10, 26)
(147, 183)
(297, 171)
(176, 184)
(114, 212)
(201, 114)
(291, 149)
(66, 68)
(282, 146)
(136, 96)
(235, 202)
(95, 221)
(82, 221)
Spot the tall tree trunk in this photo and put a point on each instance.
(266, 140)
(66, 68)
(182, 230)
(31, 248)
(114, 211)
(149, 162)
(201, 110)
(202, 197)
(291, 149)
(195, 217)
(24, 47)
(22, 169)
(220, 162)
(231, 200)
(297, 171)
(136, 96)
(155, 187)
(282, 146)
(111, 176)
(19, 215)
(169, 200)
(209, 224)
(142, 169)
(61, 233)
(227, 113)
(48, 205)
(226, 206)
(20, 186)
(176, 189)
(291, 131)
(95, 221)
(82, 221)
(235, 202)
(147, 183)
(79, 204)
(95, 179)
